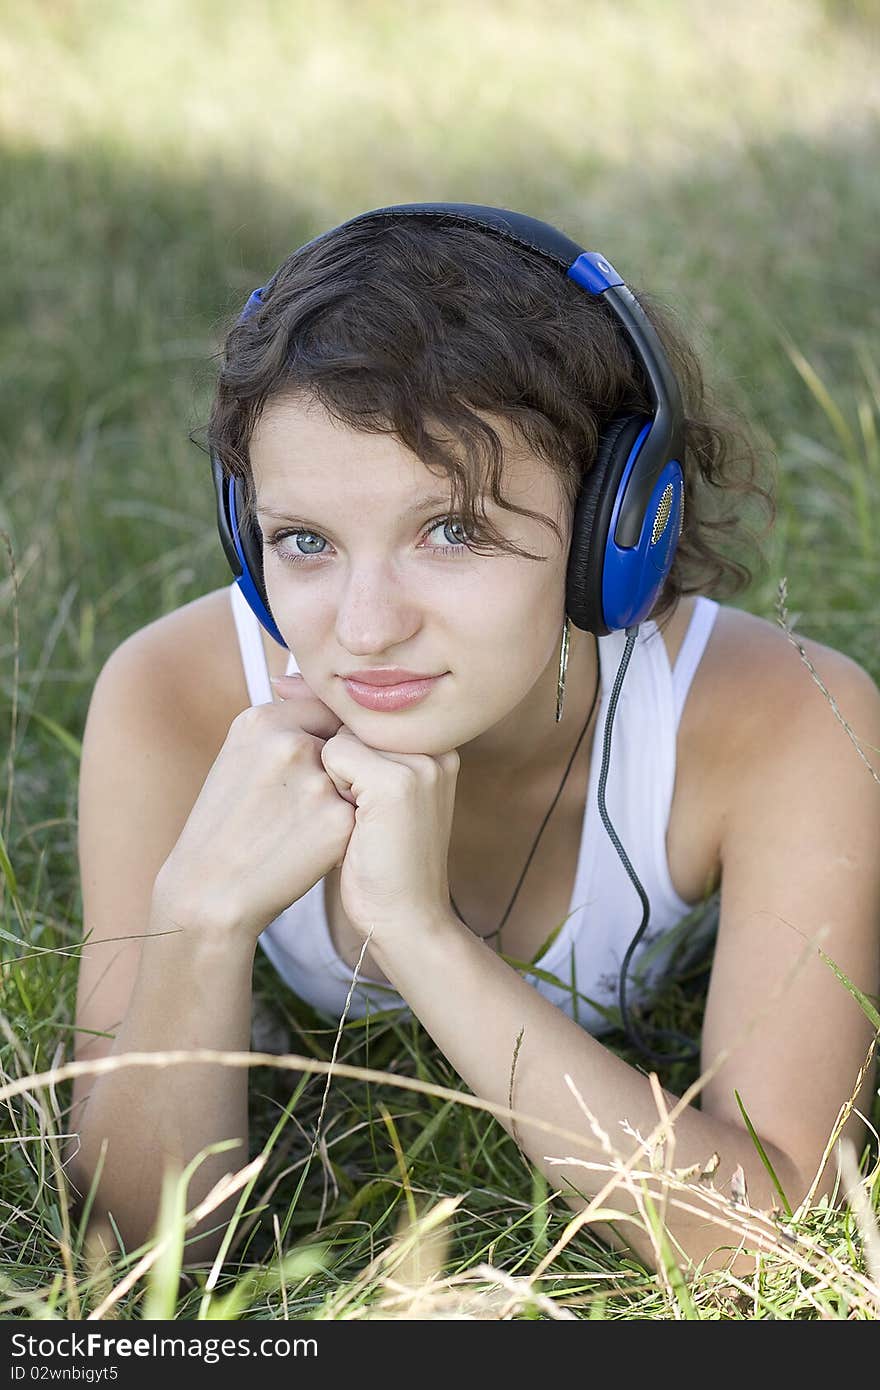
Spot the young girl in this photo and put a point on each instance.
(462, 475)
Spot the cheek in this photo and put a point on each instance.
(537, 608)
(504, 668)
(518, 623)
(301, 621)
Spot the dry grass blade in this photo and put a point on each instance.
(861, 1209)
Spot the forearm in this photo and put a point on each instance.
(475, 1006)
(193, 990)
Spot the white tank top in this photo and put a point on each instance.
(579, 971)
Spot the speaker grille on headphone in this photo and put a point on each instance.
(662, 516)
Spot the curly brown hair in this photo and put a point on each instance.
(400, 328)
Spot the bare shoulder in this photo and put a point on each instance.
(756, 695)
(193, 651)
(756, 679)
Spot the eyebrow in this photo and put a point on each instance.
(440, 500)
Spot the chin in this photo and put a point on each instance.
(407, 741)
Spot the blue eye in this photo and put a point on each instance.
(276, 540)
(297, 533)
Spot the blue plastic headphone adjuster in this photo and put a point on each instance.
(594, 273)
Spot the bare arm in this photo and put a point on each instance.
(187, 815)
(475, 1006)
(146, 754)
(193, 989)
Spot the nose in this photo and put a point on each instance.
(376, 614)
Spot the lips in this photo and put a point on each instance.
(388, 675)
(384, 698)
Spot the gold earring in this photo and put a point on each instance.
(563, 667)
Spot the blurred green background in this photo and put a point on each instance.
(157, 162)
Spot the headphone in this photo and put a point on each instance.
(628, 515)
(630, 509)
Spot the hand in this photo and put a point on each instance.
(267, 824)
(395, 872)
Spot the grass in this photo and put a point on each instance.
(158, 161)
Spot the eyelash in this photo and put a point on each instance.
(275, 540)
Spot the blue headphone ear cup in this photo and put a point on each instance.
(243, 544)
(251, 541)
(592, 521)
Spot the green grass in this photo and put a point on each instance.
(157, 163)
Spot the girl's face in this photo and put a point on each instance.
(377, 576)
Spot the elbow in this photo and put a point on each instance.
(117, 1212)
(107, 1235)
